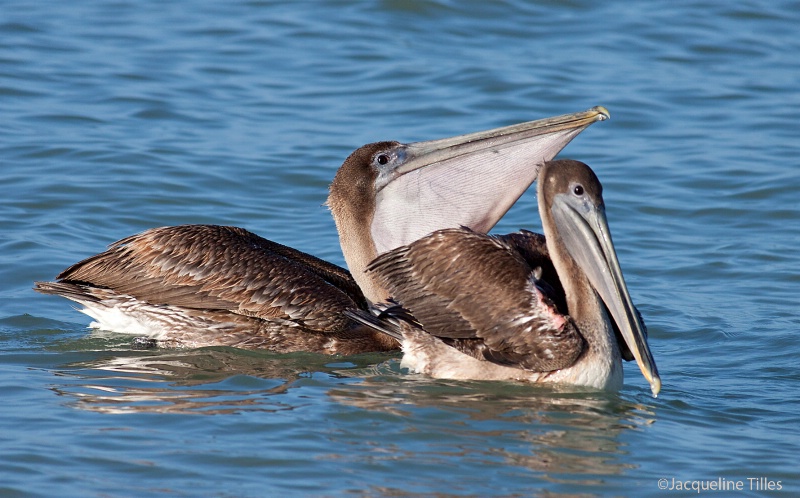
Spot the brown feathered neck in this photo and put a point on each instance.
(352, 203)
(583, 303)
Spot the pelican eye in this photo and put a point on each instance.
(577, 190)
(382, 159)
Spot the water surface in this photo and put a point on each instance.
(121, 116)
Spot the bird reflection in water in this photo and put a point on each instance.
(557, 433)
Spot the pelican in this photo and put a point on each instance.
(550, 308)
(207, 285)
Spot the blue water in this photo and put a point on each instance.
(120, 116)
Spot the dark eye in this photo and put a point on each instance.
(577, 190)
(382, 159)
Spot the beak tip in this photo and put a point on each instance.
(655, 386)
(602, 113)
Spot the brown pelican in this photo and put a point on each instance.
(552, 308)
(201, 285)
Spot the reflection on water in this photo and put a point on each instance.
(204, 381)
(562, 435)
(539, 428)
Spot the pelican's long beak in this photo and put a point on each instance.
(469, 180)
(584, 229)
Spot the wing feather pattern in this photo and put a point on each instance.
(243, 274)
(481, 293)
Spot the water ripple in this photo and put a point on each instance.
(126, 115)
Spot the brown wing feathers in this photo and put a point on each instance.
(462, 285)
(245, 274)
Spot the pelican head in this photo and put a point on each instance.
(574, 212)
(388, 194)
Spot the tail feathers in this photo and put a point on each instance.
(387, 318)
(74, 292)
(373, 322)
